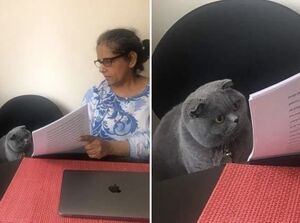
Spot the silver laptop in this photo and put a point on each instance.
(105, 194)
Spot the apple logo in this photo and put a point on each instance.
(114, 188)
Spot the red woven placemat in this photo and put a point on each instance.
(252, 193)
(33, 195)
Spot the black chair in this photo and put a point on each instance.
(253, 42)
(34, 111)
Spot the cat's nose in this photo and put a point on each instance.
(233, 118)
(236, 120)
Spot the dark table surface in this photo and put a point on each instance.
(7, 171)
(181, 199)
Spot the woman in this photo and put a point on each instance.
(119, 106)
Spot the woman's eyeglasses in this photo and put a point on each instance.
(107, 62)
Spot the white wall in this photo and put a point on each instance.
(47, 47)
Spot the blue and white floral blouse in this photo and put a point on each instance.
(119, 118)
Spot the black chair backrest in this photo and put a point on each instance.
(34, 111)
(256, 43)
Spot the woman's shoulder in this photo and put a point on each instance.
(94, 90)
(143, 88)
(103, 85)
(144, 85)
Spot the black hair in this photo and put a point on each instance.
(123, 41)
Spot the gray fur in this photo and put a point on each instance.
(189, 137)
(15, 144)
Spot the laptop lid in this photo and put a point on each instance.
(106, 194)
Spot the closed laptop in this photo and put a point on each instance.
(105, 194)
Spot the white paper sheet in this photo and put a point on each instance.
(275, 114)
(63, 135)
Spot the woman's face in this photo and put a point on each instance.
(117, 70)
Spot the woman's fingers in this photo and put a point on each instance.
(94, 147)
(89, 147)
(92, 156)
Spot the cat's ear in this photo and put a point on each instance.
(226, 83)
(198, 110)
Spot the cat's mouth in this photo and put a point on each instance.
(232, 134)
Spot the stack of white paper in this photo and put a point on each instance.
(63, 135)
(275, 114)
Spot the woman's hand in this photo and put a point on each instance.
(96, 147)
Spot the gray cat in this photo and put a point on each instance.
(209, 128)
(15, 144)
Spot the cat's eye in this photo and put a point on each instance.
(220, 119)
